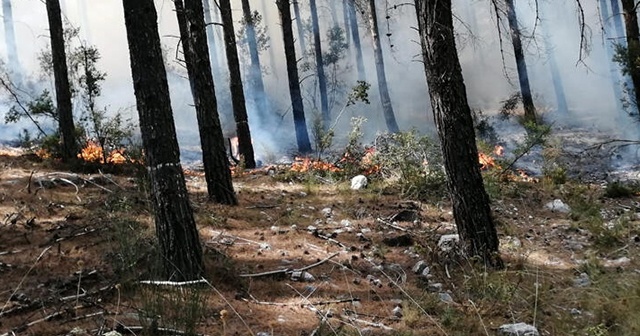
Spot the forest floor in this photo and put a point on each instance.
(76, 248)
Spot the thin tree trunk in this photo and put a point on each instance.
(556, 79)
(614, 71)
(355, 36)
(299, 27)
(196, 55)
(521, 65)
(302, 134)
(181, 252)
(387, 107)
(245, 147)
(255, 70)
(619, 39)
(10, 40)
(322, 79)
(63, 91)
(211, 41)
(346, 23)
(471, 209)
(633, 43)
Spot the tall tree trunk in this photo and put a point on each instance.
(471, 209)
(196, 55)
(255, 70)
(322, 79)
(10, 40)
(387, 107)
(556, 79)
(211, 41)
(175, 226)
(619, 39)
(345, 21)
(614, 71)
(521, 65)
(633, 44)
(215, 16)
(245, 147)
(355, 36)
(299, 27)
(63, 91)
(302, 135)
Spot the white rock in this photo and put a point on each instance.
(327, 212)
(345, 222)
(419, 267)
(557, 205)
(397, 311)
(447, 242)
(518, 329)
(358, 182)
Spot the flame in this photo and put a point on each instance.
(486, 161)
(498, 151)
(301, 165)
(92, 152)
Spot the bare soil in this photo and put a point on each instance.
(75, 246)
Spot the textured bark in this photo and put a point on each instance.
(451, 111)
(322, 79)
(302, 135)
(61, 74)
(10, 41)
(521, 65)
(633, 43)
(355, 36)
(245, 147)
(299, 27)
(211, 41)
(175, 225)
(196, 55)
(385, 99)
(255, 69)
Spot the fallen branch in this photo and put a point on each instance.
(367, 323)
(172, 283)
(391, 225)
(290, 271)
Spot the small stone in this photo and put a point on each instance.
(558, 205)
(445, 297)
(302, 276)
(622, 261)
(582, 280)
(345, 223)
(112, 333)
(265, 246)
(311, 228)
(419, 266)
(448, 241)
(518, 329)
(358, 182)
(575, 311)
(397, 311)
(435, 287)
(327, 212)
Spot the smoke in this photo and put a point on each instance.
(587, 85)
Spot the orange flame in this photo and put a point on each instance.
(92, 152)
(301, 165)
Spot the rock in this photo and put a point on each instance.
(518, 329)
(419, 267)
(77, 331)
(445, 297)
(358, 182)
(447, 242)
(435, 287)
(397, 311)
(582, 280)
(345, 223)
(302, 276)
(576, 311)
(327, 212)
(622, 261)
(263, 333)
(402, 240)
(112, 333)
(265, 246)
(557, 205)
(510, 243)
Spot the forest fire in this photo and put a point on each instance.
(487, 161)
(305, 164)
(93, 152)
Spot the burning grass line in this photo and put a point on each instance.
(23, 278)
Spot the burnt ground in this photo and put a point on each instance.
(75, 249)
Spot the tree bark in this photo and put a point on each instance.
(302, 134)
(451, 111)
(322, 79)
(255, 70)
(521, 65)
(10, 41)
(355, 36)
(633, 44)
(245, 147)
(299, 27)
(63, 91)
(196, 55)
(387, 107)
(180, 248)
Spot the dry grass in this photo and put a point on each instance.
(56, 242)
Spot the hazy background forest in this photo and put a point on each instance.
(490, 76)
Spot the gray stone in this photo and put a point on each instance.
(397, 311)
(345, 223)
(445, 297)
(302, 276)
(448, 241)
(557, 205)
(622, 261)
(435, 287)
(582, 280)
(518, 329)
(419, 266)
(327, 212)
(358, 182)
